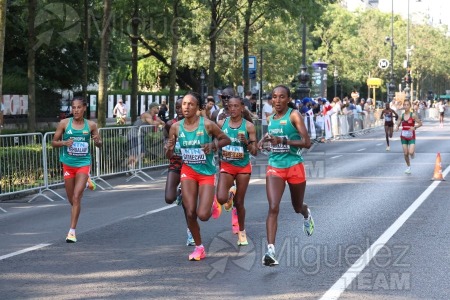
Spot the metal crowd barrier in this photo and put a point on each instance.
(25, 166)
(29, 162)
(130, 149)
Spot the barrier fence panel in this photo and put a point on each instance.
(112, 157)
(145, 148)
(22, 167)
(152, 143)
(53, 175)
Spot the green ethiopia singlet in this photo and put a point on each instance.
(191, 148)
(284, 156)
(78, 155)
(236, 153)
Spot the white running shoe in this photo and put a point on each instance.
(408, 170)
(388, 148)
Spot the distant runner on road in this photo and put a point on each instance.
(408, 135)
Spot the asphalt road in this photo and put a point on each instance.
(380, 234)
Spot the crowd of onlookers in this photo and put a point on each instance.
(359, 112)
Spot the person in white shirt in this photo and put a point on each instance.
(120, 111)
(441, 109)
(266, 112)
(2, 108)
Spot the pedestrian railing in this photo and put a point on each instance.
(28, 162)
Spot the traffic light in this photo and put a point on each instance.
(430, 95)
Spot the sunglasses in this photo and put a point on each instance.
(225, 97)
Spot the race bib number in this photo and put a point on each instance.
(232, 152)
(280, 148)
(407, 134)
(193, 156)
(78, 149)
(388, 118)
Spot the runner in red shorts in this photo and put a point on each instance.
(73, 136)
(287, 136)
(173, 192)
(194, 134)
(235, 162)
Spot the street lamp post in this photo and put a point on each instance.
(335, 77)
(408, 67)
(390, 39)
(202, 79)
(303, 89)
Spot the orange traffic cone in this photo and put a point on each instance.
(438, 169)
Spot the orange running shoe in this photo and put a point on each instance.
(229, 205)
(216, 209)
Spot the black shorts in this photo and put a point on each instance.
(442, 113)
(389, 124)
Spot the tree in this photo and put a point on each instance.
(174, 56)
(103, 74)
(2, 41)
(221, 11)
(135, 22)
(85, 48)
(32, 5)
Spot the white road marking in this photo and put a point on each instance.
(24, 251)
(254, 180)
(335, 156)
(346, 279)
(155, 211)
(172, 205)
(136, 217)
(361, 150)
(380, 144)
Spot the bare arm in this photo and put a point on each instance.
(397, 124)
(216, 132)
(170, 144)
(57, 141)
(95, 134)
(251, 143)
(395, 114)
(297, 121)
(167, 129)
(417, 120)
(149, 119)
(220, 123)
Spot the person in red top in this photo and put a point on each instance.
(409, 122)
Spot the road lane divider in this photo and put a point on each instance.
(24, 251)
(346, 279)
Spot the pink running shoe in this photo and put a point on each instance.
(216, 209)
(199, 253)
(234, 221)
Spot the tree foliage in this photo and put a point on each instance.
(215, 35)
